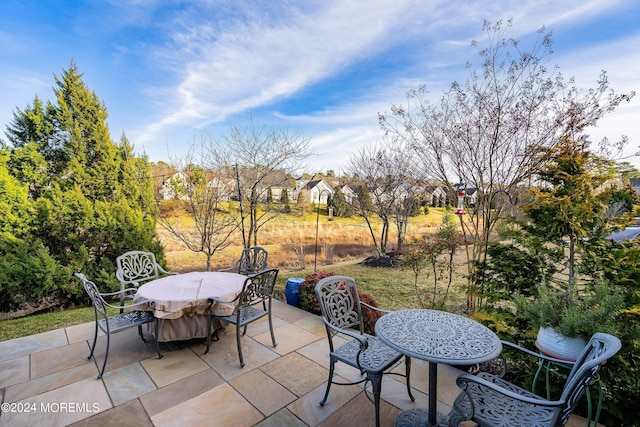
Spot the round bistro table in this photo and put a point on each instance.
(437, 337)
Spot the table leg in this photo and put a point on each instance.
(433, 389)
(424, 417)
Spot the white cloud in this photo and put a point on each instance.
(246, 63)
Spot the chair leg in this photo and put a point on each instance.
(208, 331)
(376, 384)
(273, 337)
(329, 382)
(95, 339)
(106, 356)
(238, 341)
(141, 334)
(407, 364)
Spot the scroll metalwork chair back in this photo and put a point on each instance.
(137, 267)
(251, 304)
(490, 400)
(117, 323)
(341, 311)
(252, 260)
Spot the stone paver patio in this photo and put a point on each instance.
(48, 380)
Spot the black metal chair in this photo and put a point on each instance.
(490, 400)
(252, 260)
(341, 311)
(120, 322)
(257, 291)
(135, 268)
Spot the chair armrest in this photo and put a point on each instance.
(162, 270)
(233, 267)
(467, 381)
(138, 304)
(211, 300)
(375, 308)
(363, 339)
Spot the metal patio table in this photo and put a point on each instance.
(437, 337)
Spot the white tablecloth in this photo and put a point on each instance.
(181, 301)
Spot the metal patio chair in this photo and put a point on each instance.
(490, 400)
(117, 323)
(252, 303)
(341, 311)
(136, 268)
(252, 260)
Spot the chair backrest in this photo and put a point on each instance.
(252, 260)
(339, 302)
(137, 266)
(600, 348)
(99, 305)
(258, 288)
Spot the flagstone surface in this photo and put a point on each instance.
(49, 381)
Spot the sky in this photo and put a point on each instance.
(173, 72)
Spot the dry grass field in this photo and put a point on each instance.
(291, 241)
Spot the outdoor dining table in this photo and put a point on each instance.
(180, 302)
(437, 337)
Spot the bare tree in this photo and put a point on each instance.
(202, 194)
(384, 171)
(489, 132)
(257, 159)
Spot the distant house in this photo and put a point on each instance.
(170, 185)
(225, 188)
(435, 196)
(349, 194)
(317, 191)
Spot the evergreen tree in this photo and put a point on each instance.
(92, 199)
(284, 199)
(567, 208)
(340, 205)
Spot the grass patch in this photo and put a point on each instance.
(37, 323)
(392, 287)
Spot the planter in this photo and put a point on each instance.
(556, 345)
(292, 291)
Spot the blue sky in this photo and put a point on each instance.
(170, 70)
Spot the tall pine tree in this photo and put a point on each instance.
(93, 198)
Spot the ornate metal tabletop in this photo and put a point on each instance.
(438, 336)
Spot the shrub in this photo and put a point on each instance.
(369, 316)
(29, 276)
(307, 296)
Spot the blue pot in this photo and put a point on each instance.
(292, 291)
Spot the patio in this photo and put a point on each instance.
(50, 382)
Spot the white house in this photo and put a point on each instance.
(317, 191)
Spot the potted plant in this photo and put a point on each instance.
(568, 316)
